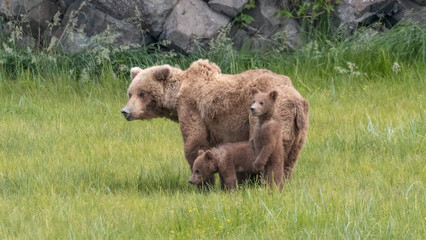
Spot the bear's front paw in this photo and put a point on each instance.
(258, 167)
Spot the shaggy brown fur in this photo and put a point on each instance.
(213, 108)
(233, 162)
(266, 141)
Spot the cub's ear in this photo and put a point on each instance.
(162, 74)
(134, 71)
(200, 152)
(209, 155)
(254, 91)
(273, 95)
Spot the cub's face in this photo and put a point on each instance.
(145, 93)
(263, 103)
(203, 167)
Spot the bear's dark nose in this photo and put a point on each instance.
(190, 181)
(252, 109)
(126, 112)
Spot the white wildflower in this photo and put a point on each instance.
(351, 66)
(85, 77)
(123, 68)
(341, 70)
(351, 70)
(396, 68)
(7, 49)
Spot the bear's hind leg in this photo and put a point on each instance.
(274, 174)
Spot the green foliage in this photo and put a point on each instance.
(244, 18)
(309, 9)
(315, 17)
(251, 4)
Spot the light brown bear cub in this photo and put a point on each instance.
(267, 140)
(233, 161)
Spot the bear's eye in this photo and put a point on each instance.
(261, 103)
(253, 102)
(141, 95)
(196, 171)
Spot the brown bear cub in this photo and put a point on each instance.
(233, 161)
(267, 140)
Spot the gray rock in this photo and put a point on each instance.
(183, 22)
(412, 10)
(190, 21)
(230, 8)
(94, 26)
(268, 29)
(64, 4)
(39, 16)
(18, 7)
(353, 13)
(71, 41)
(26, 41)
(151, 14)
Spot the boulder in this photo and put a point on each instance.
(70, 40)
(184, 22)
(268, 28)
(190, 21)
(351, 13)
(413, 10)
(151, 14)
(39, 16)
(13, 9)
(64, 4)
(26, 41)
(91, 22)
(230, 8)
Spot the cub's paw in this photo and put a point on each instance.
(258, 167)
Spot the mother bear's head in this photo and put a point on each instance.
(148, 93)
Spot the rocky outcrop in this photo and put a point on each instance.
(351, 13)
(192, 20)
(267, 29)
(73, 25)
(87, 25)
(151, 14)
(414, 10)
(230, 8)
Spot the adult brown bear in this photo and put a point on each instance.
(214, 108)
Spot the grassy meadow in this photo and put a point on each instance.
(71, 167)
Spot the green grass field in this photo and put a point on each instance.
(71, 167)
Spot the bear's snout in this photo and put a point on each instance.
(126, 113)
(191, 181)
(253, 110)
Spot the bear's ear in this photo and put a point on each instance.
(162, 74)
(134, 71)
(200, 152)
(254, 91)
(209, 155)
(273, 95)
